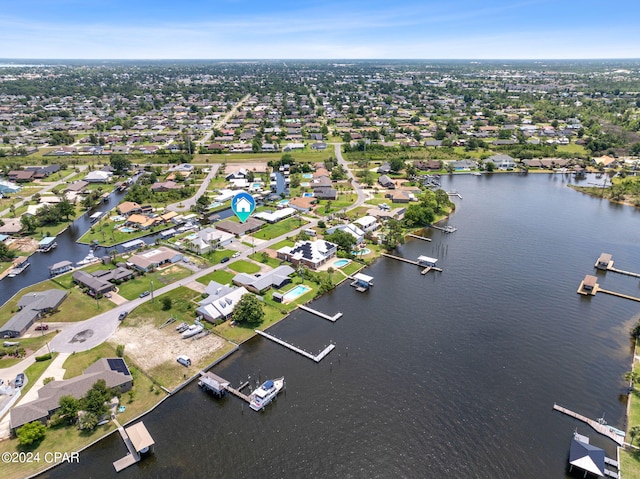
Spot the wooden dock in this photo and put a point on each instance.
(621, 271)
(597, 426)
(238, 393)
(317, 358)
(619, 295)
(131, 458)
(410, 261)
(454, 193)
(333, 318)
(418, 237)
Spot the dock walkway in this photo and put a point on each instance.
(410, 261)
(598, 427)
(418, 237)
(333, 318)
(131, 458)
(621, 271)
(619, 295)
(317, 358)
(238, 393)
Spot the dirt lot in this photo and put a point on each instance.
(149, 346)
(255, 166)
(24, 245)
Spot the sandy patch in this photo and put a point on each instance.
(149, 346)
(25, 245)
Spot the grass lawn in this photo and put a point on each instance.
(220, 276)
(242, 266)
(282, 227)
(240, 333)
(131, 289)
(30, 345)
(34, 371)
(214, 257)
(273, 262)
(352, 268)
(572, 148)
(182, 308)
(78, 362)
(76, 307)
(282, 244)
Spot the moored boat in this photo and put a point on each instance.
(265, 393)
(193, 330)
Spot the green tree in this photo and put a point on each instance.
(631, 377)
(65, 208)
(396, 164)
(634, 432)
(344, 240)
(5, 253)
(94, 400)
(69, 407)
(394, 235)
(120, 163)
(29, 224)
(166, 303)
(248, 310)
(31, 433)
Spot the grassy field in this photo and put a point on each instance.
(572, 148)
(282, 244)
(182, 308)
(76, 307)
(106, 235)
(34, 371)
(242, 266)
(131, 289)
(30, 345)
(220, 276)
(282, 227)
(273, 262)
(214, 257)
(78, 362)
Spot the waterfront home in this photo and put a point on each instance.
(350, 228)
(60, 267)
(240, 229)
(113, 371)
(502, 162)
(98, 177)
(219, 306)
(30, 307)
(367, 223)
(275, 216)
(275, 278)
(463, 165)
(312, 254)
(133, 244)
(208, 239)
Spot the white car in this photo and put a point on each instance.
(236, 254)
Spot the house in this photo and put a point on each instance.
(152, 259)
(325, 193)
(304, 204)
(319, 146)
(463, 165)
(141, 222)
(367, 223)
(431, 165)
(113, 371)
(30, 308)
(206, 240)
(95, 284)
(98, 177)
(241, 174)
(133, 244)
(275, 278)
(21, 176)
(275, 216)
(240, 229)
(128, 207)
(384, 168)
(219, 307)
(502, 162)
(312, 254)
(161, 186)
(350, 228)
(77, 186)
(386, 182)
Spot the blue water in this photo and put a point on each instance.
(341, 262)
(126, 229)
(283, 202)
(307, 175)
(295, 292)
(307, 195)
(361, 252)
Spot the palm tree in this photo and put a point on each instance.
(634, 432)
(631, 377)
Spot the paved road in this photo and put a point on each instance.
(185, 205)
(362, 197)
(223, 121)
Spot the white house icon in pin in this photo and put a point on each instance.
(243, 206)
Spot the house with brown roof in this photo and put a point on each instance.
(165, 186)
(303, 204)
(21, 176)
(128, 207)
(113, 371)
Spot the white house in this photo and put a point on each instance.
(220, 307)
(367, 223)
(352, 229)
(98, 177)
(207, 240)
(275, 216)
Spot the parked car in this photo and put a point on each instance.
(144, 294)
(19, 382)
(42, 327)
(122, 315)
(236, 254)
(225, 259)
(107, 295)
(184, 360)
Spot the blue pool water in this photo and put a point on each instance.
(341, 262)
(307, 175)
(307, 195)
(361, 252)
(295, 292)
(283, 202)
(305, 184)
(126, 229)
(215, 204)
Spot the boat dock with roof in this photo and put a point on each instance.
(605, 263)
(362, 282)
(138, 441)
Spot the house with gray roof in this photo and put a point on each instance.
(30, 307)
(275, 278)
(114, 372)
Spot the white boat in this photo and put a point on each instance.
(265, 393)
(192, 330)
(90, 258)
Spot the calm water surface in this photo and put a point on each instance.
(451, 375)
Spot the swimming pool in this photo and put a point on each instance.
(341, 262)
(307, 175)
(305, 184)
(283, 202)
(215, 204)
(295, 292)
(126, 229)
(307, 195)
(361, 252)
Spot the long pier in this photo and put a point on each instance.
(418, 237)
(317, 358)
(333, 318)
(410, 261)
(597, 426)
(621, 271)
(619, 295)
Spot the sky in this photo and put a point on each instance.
(326, 29)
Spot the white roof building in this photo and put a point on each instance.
(222, 306)
(275, 216)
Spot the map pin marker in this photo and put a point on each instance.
(243, 205)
